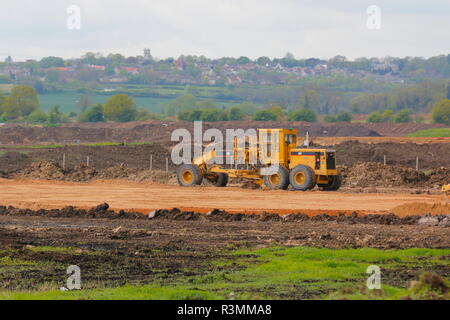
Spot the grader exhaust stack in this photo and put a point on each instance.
(302, 168)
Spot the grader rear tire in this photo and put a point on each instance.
(302, 178)
(189, 175)
(219, 180)
(333, 184)
(279, 180)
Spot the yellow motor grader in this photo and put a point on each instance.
(301, 168)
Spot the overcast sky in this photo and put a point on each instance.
(217, 28)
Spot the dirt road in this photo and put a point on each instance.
(144, 197)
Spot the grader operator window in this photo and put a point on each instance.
(289, 139)
(331, 160)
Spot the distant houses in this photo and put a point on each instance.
(196, 70)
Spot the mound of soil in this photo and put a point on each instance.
(81, 173)
(422, 208)
(432, 155)
(49, 170)
(45, 170)
(369, 174)
(100, 157)
(439, 176)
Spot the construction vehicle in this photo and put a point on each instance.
(301, 168)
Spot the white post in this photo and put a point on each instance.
(87, 161)
(384, 160)
(151, 162)
(64, 161)
(417, 163)
(167, 169)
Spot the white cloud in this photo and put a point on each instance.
(215, 28)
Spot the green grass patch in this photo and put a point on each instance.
(10, 262)
(68, 101)
(430, 133)
(278, 273)
(63, 250)
(122, 293)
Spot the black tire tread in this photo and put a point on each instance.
(310, 178)
(198, 176)
(284, 175)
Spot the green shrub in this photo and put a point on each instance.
(265, 115)
(306, 115)
(94, 114)
(441, 112)
(37, 116)
(402, 116)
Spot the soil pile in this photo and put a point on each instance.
(369, 174)
(431, 156)
(49, 170)
(80, 173)
(439, 176)
(45, 170)
(100, 157)
(422, 208)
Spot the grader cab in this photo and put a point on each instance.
(274, 160)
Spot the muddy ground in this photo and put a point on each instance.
(125, 248)
(100, 157)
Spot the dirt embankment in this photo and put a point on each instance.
(12, 160)
(367, 174)
(361, 175)
(103, 212)
(160, 131)
(49, 170)
(402, 154)
(100, 157)
(401, 129)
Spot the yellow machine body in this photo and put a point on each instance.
(274, 147)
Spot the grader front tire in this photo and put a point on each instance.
(189, 175)
(302, 178)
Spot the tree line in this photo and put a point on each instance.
(22, 105)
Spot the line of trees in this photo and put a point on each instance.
(22, 105)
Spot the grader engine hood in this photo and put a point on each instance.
(321, 160)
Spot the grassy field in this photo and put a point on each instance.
(437, 132)
(288, 273)
(68, 101)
